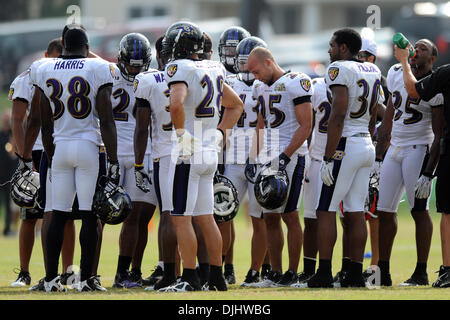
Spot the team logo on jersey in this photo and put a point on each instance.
(280, 87)
(11, 93)
(171, 70)
(306, 84)
(112, 70)
(135, 84)
(333, 73)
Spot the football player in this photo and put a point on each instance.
(286, 113)
(134, 57)
(21, 94)
(367, 53)
(228, 41)
(349, 155)
(426, 89)
(197, 91)
(74, 97)
(321, 103)
(413, 126)
(237, 152)
(152, 109)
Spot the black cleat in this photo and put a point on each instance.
(39, 286)
(154, 277)
(251, 279)
(163, 283)
(320, 280)
(265, 271)
(124, 281)
(24, 279)
(304, 277)
(337, 280)
(353, 281)
(136, 276)
(65, 277)
(230, 278)
(443, 281)
(416, 280)
(385, 280)
(218, 284)
(288, 278)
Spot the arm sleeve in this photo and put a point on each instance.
(337, 75)
(300, 90)
(437, 82)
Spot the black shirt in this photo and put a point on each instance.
(437, 82)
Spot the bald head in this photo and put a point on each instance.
(261, 54)
(263, 66)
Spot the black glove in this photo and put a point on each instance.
(141, 176)
(24, 164)
(113, 172)
(279, 163)
(250, 170)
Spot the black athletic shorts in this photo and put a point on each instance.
(443, 184)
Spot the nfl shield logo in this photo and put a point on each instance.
(333, 73)
(171, 70)
(306, 84)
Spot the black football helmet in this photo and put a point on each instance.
(226, 203)
(25, 188)
(271, 188)
(183, 39)
(229, 39)
(243, 49)
(134, 51)
(112, 207)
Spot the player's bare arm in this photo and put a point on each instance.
(373, 118)
(437, 123)
(33, 125)
(233, 109)
(107, 123)
(19, 110)
(384, 135)
(336, 121)
(47, 125)
(178, 93)
(408, 77)
(141, 130)
(303, 113)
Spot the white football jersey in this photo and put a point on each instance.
(22, 88)
(204, 80)
(71, 86)
(321, 102)
(124, 112)
(277, 106)
(151, 86)
(243, 131)
(412, 117)
(363, 80)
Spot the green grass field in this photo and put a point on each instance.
(402, 265)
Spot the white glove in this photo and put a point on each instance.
(326, 172)
(375, 174)
(219, 140)
(423, 186)
(185, 144)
